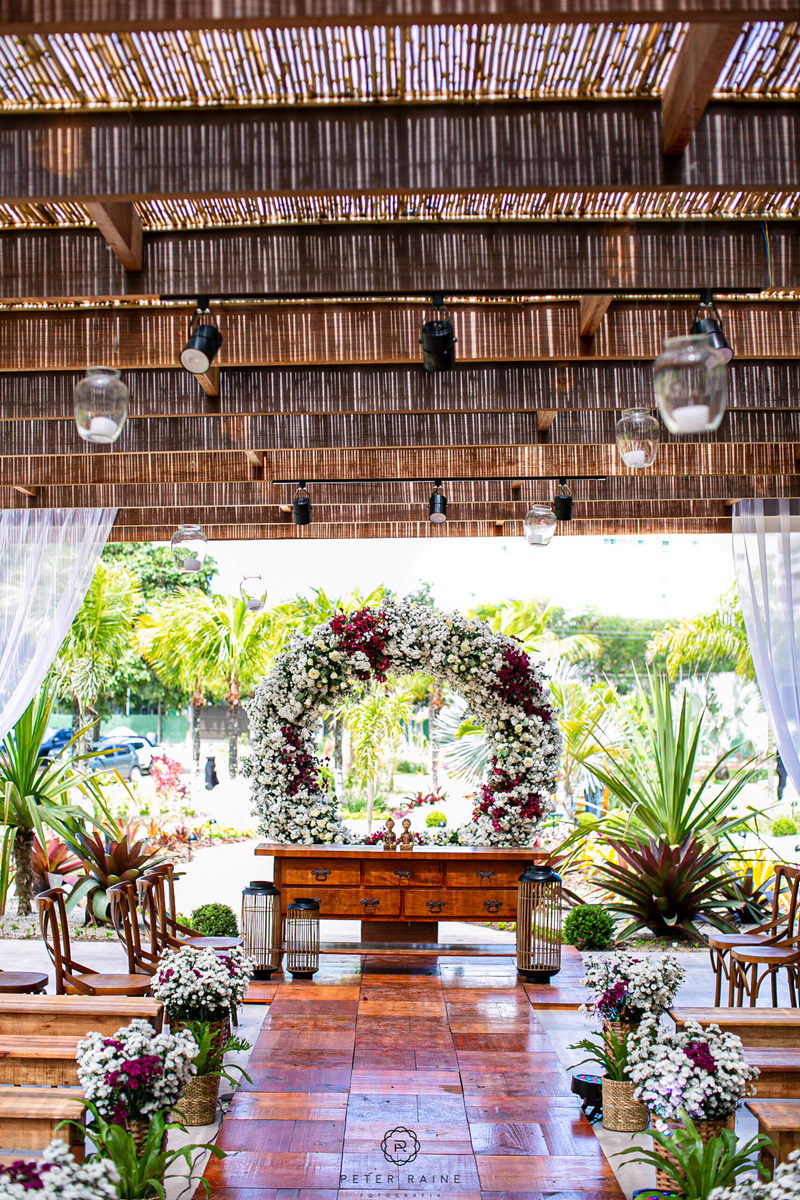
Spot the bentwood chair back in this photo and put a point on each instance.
(124, 914)
(170, 931)
(781, 924)
(71, 977)
(751, 965)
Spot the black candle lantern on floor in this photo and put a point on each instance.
(261, 926)
(302, 937)
(539, 923)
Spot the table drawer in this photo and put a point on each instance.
(483, 875)
(404, 872)
(366, 903)
(319, 871)
(453, 905)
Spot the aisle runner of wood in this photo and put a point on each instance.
(455, 1061)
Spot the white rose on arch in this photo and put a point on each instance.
(504, 689)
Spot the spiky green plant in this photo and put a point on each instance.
(668, 889)
(107, 862)
(609, 1050)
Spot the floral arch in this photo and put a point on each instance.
(505, 691)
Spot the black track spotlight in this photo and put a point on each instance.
(438, 339)
(437, 505)
(708, 322)
(301, 505)
(204, 341)
(562, 503)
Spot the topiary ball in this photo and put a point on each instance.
(589, 927)
(215, 920)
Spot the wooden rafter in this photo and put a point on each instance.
(691, 82)
(121, 226)
(591, 311)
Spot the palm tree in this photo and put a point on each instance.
(582, 709)
(215, 639)
(710, 640)
(97, 639)
(530, 622)
(375, 721)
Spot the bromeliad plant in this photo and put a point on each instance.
(136, 1073)
(211, 1050)
(696, 1168)
(107, 861)
(57, 1176)
(609, 1050)
(668, 889)
(628, 988)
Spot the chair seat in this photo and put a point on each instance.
(728, 941)
(20, 982)
(117, 985)
(766, 954)
(212, 943)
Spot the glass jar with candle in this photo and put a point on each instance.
(540, 525)
(691, 382)
(253, 591)
(638, 437)
(101, 405)
(189, 548)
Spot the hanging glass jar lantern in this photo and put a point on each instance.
(302, 937)
(540, 525)
(254, 592)
(261, 926)
(189, 548)
(691, 381)
(101, 405)
(638, 437)
(539, 923)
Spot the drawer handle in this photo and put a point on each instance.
(435, 905)
(486, 876)
(320, 873)
(493, 906)
(369, 905)
(406, 875)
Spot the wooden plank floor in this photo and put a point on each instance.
(452, 1051)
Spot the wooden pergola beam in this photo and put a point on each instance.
(119, 223)
(499, 147)
(405, 260)
(691, 81)
(401, 388)
(591, 311)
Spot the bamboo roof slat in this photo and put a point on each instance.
(311, 64)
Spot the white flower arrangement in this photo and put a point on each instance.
(57, 1176)
(505, 691)
(135, 1072)
(784, 1186)
(629, 987)
(197, 984)
(701, 1069)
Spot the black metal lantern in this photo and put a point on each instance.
(301, 505)
(261, 926)
(302, 937)
(562, 504)
(539, 923)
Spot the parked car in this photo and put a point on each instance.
(145, 749)
(57, 741)
(114, 754)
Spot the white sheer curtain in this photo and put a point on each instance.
(766, 552)
(47, 560)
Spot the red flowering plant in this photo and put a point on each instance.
(504, 689)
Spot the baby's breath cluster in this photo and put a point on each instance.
(700, 1069)
(197, 984)
(57, 1176)
(629, 987)
(785, 1185)
(135, 1072)
(505, 690)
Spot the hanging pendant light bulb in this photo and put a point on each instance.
(204, 340)
(101, 405)
(437, 505)
(691, 382)
(301, 505)
(638, 437)
(562, 504)
(707, 321)
(540, 525)
(189, 547)
(254, 592)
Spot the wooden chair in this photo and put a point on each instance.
(124, 914)
(22, 983)
(779, 926)
(170, 933)
(751, 965)
(71, 977)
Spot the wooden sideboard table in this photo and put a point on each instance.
(400, 898)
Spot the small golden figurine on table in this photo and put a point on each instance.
(406, 842)
(389, 837)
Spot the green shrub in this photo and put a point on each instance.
(589, 927)
(215, 920)
(784, 827)
(435, 818)
(404, 767)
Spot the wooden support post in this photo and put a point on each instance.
(691, 82)
(209, 382)
(545, 418)
(591, 312)
(120, 225)
(255, 457)
(26, 490)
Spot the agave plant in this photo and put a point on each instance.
(107, 862)
(669, 888)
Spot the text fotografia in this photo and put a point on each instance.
(398, 1179)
